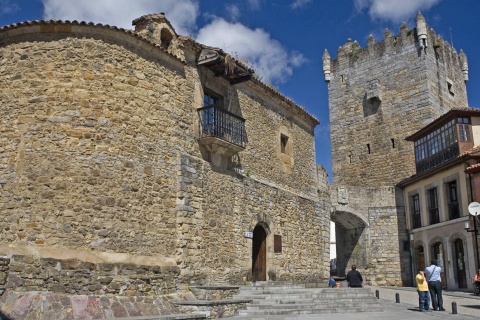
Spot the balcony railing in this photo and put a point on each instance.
(453, 210)
(416, 221)
(219, 123)
(434, 216)
(438, 158)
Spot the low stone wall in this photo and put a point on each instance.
(212, 309)
(72, 276)
(214, 292)
(47, 306)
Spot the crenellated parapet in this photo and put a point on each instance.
(425, 41)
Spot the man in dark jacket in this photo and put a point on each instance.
(354, 278)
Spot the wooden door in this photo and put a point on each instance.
(259, 254)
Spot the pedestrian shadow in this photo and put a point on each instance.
(471, 306)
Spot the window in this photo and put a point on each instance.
(283, 143)
(210, 101)
(416, 217)
(433, 206)
(450, 87)
(463, 129)
(437, 147)
(277, 243)
(452, 198)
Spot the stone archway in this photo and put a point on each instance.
(351, 241)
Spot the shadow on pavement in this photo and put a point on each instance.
(472, 306)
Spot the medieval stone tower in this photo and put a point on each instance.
(378, 95)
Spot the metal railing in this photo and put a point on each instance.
(438, 158)
(434, 216)
(416, 221)
(222, 124)
(453, 210)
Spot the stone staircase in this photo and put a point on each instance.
(270, 298)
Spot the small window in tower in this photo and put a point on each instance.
(393, 143)
(283, 143)
(277, 243)
(450, 87)
(342, 78)
(368, 148)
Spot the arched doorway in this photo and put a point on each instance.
(460, 264)
(419, 259)
(259, 254)
(438, 254)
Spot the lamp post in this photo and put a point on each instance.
(474, 209)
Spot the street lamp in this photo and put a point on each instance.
(474, 209)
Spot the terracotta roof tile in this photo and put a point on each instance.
(470, 151)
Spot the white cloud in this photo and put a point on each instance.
(181, 13)
(394, 10)
(270, 60)
(7, 7)
(233, 11)
(296, 4)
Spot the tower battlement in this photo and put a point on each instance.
(425, 41)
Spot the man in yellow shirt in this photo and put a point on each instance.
(422, 289)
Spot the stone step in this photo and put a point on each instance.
(287, 290)
(288, 299)
(316, 310)
(311, 295)
(317, 301)
(309, 305)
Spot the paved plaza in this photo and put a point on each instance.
(468, 307)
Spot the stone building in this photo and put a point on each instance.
(379, 95)
(438, 196)
(137, 162)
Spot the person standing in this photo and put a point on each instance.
(432, 273)
(354, 278)
(476, 283)
(422, 289)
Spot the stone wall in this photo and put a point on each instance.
(73, 276)
(100, 161)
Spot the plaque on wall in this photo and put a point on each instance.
(342, 195)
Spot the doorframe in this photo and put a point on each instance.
(265, 230)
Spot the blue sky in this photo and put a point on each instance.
(282, 39)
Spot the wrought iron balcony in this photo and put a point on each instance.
(434, 216)
(221, 131)
(416, 221)
(453, 210)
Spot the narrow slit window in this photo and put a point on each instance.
(368, 148)
(283, 143)
(450, 87)
(342, 78)
(393, 143)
